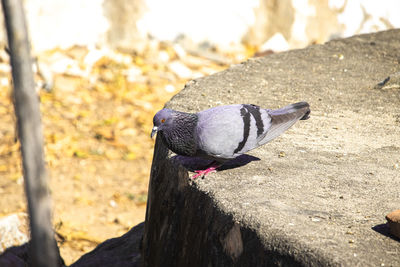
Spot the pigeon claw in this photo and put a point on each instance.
(203, 173)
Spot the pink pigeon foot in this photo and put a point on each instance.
(204, 172)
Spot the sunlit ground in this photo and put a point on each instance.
(97, 118)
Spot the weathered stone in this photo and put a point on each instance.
(18, 256)
(14, 230)
(184, 227)
(123, 251)
(319, 204)
(393, 219)
(15, 256)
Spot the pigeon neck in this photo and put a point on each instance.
(180, 138)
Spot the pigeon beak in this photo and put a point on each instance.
(154, 131)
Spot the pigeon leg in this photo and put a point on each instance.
(212, 167)
(203, 173)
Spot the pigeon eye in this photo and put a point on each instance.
(162, 120)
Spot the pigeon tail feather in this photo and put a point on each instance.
(283, 118)
(293, 108)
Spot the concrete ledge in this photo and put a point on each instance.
(319, 193)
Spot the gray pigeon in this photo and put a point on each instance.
(225, 132)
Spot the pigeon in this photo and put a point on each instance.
(223, 133)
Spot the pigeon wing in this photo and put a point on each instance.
(228, 131)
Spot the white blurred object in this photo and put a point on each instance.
(134, 74)
(113, 203)
(363, 16)
(169, 88)
(303, 10)
(276, 43)
(13, 230)
(64, 23)
(180, 69)
(163, 56)
(221, 22)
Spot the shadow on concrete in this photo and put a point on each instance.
(193, 163)
(383, 229)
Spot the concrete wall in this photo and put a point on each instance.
(315, 196)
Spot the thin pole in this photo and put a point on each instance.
(43, 250)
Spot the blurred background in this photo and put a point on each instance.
(104, 67)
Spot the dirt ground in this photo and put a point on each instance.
(97, 116)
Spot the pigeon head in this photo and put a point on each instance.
(177, 130)
(162, 120)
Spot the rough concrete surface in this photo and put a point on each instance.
(319, 193)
